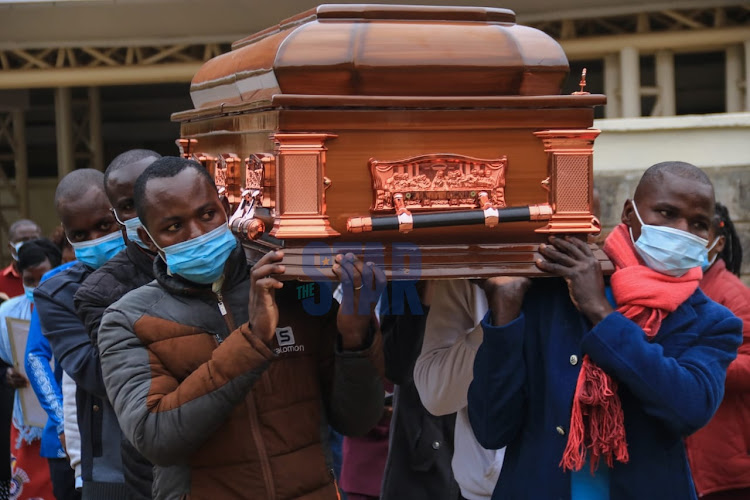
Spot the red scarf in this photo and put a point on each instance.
(646, 297)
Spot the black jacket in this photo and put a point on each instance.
(421, 444)
(126, 271)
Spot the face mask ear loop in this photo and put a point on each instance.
(114, 212)
(153, 241)
(716, 240)
(635, 209)
(630, 229)
(711, 262)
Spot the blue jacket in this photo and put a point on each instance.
(525, 374)
(47, 384)
(101, 463)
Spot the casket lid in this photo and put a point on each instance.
(385, 50)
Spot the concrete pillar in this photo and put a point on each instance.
(613, 109)
(64, 131)
(747, 75)
(630, 82)
(734, 77)
(95, 128)
(20, 158)
(666, 83)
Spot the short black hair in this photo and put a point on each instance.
(655, 173)
(164, 168)
(34, 252)
(77, 184)
(13, 229)
(128, 158)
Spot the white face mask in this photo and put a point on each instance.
(668, 250)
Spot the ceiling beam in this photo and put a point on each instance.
(99, 76)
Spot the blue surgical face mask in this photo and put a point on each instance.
(708, 263)
(200, 260)
(668, 250)
(131, 229)
(95, 253)
(29, 292)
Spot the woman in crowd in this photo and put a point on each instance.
(718, 453)
(30, 473)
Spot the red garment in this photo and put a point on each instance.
(363, 459)
(11, 283)
(645, 297)
(30, 479)
(719, 453)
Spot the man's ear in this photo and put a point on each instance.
(627, 212)
(146, 239)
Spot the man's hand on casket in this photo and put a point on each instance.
(572, 259)
(361, 284)
(262, 309)
(505, 297)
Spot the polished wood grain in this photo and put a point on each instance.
(387, 83)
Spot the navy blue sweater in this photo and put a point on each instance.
(525, 374)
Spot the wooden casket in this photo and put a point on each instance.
(432, 140)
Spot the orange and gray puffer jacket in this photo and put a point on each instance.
(221, 414)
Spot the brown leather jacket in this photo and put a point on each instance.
(220, 413)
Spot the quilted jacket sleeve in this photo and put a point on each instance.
(351, 381)
(165, 418)
(90, 307)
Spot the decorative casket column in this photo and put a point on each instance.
(570, 186)
(301, 185)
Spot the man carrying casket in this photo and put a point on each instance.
(642, 359)
(225, 383)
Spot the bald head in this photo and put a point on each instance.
(135, 160)
(22, 230)
(76, 185)
(120, 177)
(660, 172)
(83, 206)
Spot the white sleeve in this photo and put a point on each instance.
(445, 367)
(70, 424)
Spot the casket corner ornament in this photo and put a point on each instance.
(462, 170)
(301, 186)
(570, 181)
